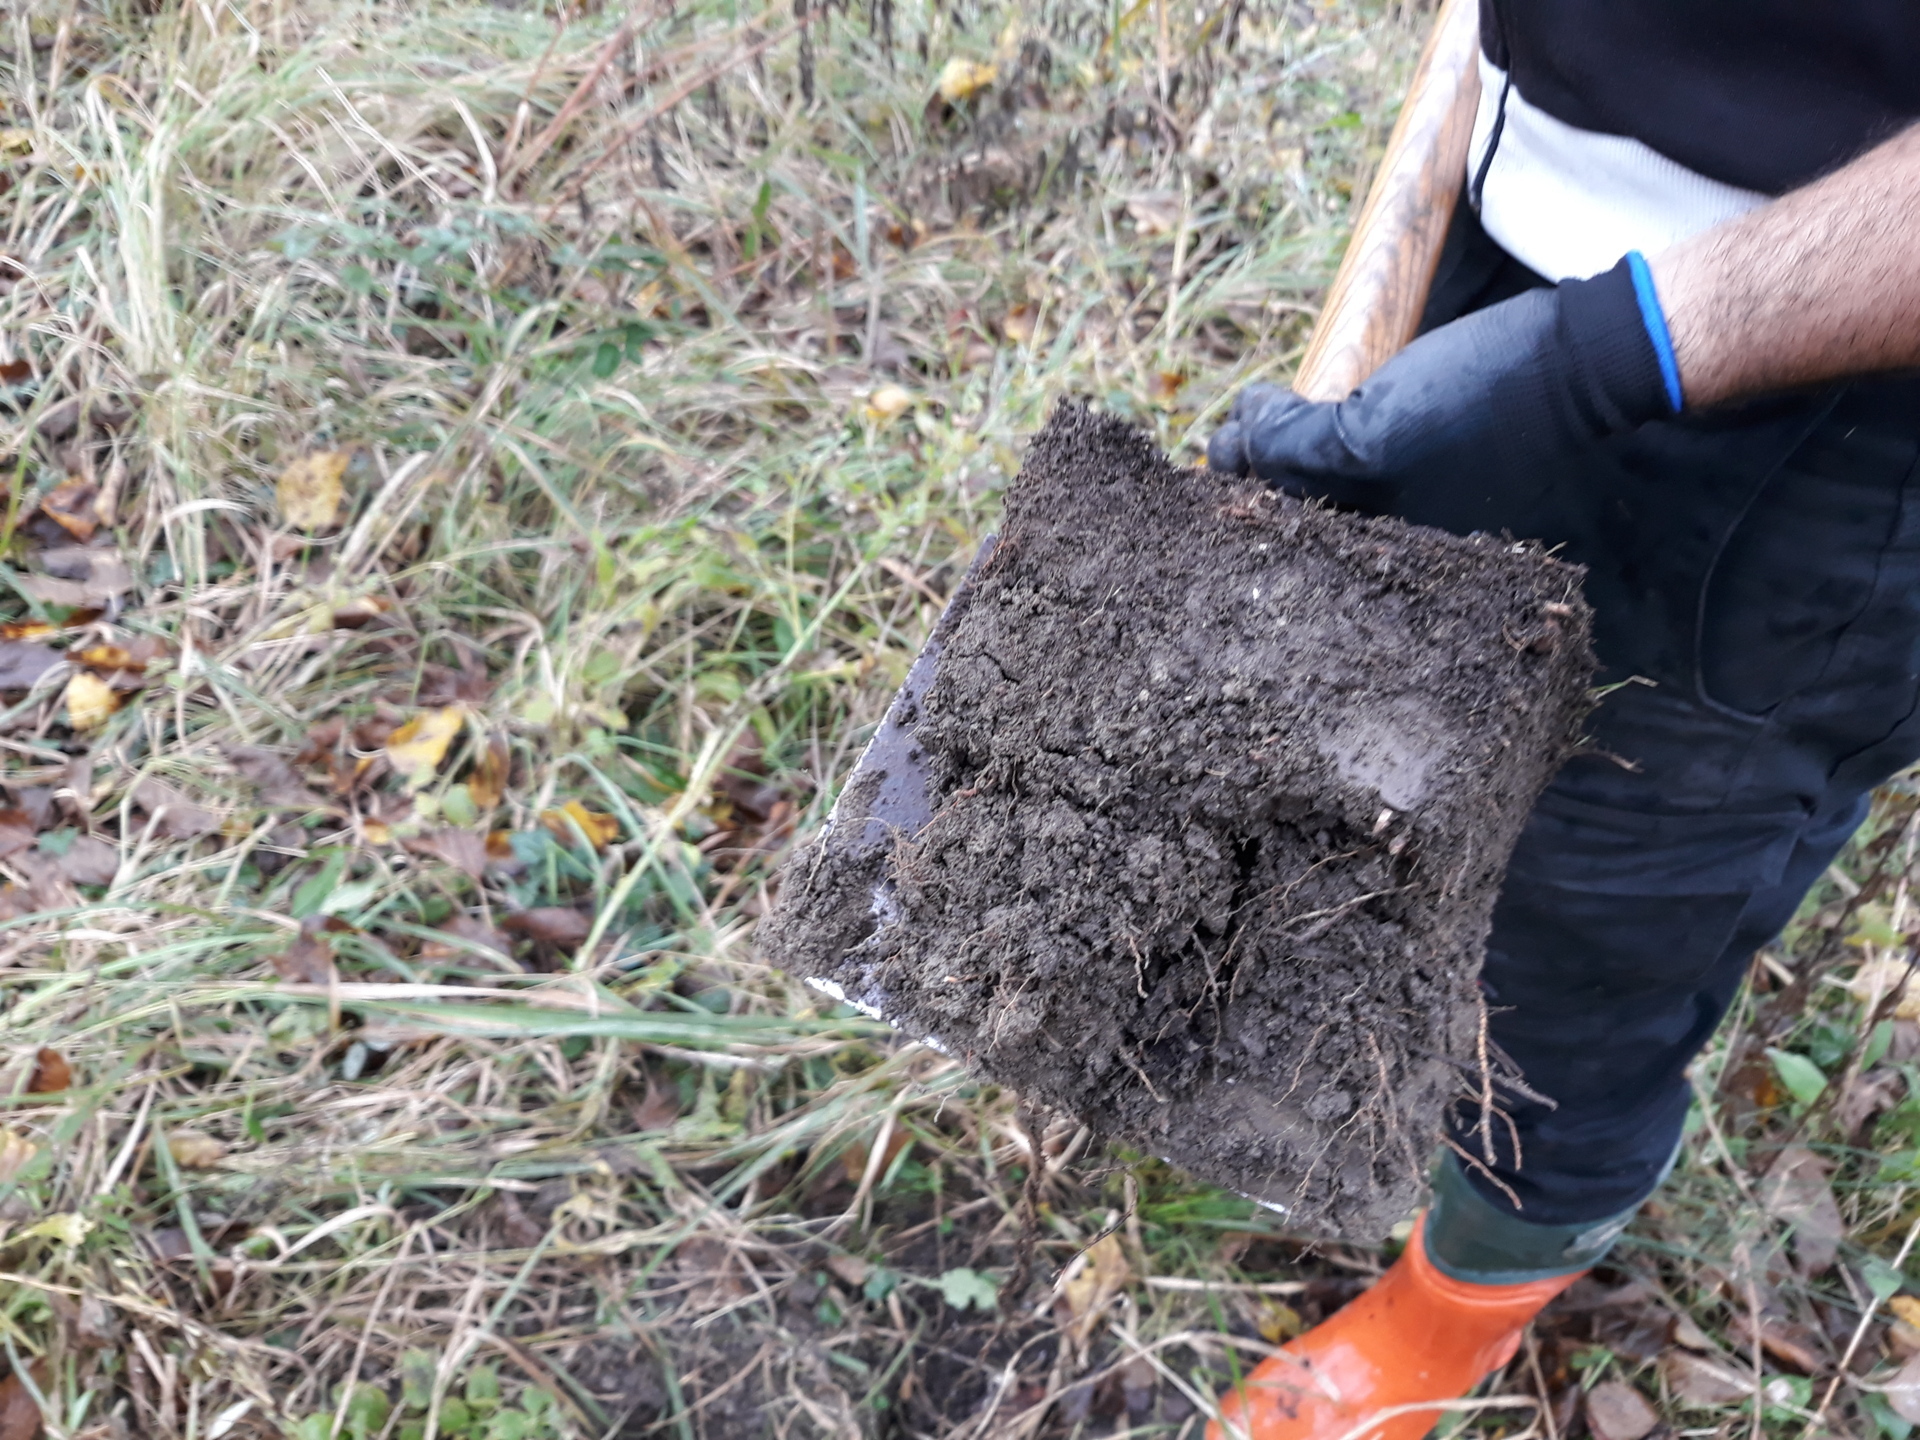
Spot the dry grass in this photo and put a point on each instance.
(679, 353)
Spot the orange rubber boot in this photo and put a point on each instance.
(1417, 1335)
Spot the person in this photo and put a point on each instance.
(1667, 335)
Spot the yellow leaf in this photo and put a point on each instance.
(963, 79)
(377, 832)
(90, 700)
(68, 1229)
(600, 830)
(889, 402)
(309, 491)
(1278, 1323)
(1086, 1294)
(15, 141)
(1018, 326)
(195, 1151)
(1879, 977)
(1907, 1308)
(15, 1151)
(417, 747)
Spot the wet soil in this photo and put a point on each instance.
(1196, 830)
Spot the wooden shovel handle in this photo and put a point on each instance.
(1380, 290)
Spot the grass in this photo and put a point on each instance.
(364, 1082)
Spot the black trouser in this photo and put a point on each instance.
(1759, 564)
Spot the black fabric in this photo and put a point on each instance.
(1760, 565)
(1497, 396)
(1764, 94)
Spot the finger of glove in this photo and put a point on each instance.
(1227, 451)
(1297, 442)
(1255, 399)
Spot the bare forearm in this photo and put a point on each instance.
(1821, 283)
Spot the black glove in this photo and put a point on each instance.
(1471, 418)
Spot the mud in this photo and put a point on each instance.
(1219, 789)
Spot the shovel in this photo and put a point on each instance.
(1372, 310)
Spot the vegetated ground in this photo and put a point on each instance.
(476, 475)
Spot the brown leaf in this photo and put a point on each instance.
(89, 861)
(487, 783)
(849, 1269)
(96, 1327)
(70, 506)
(174, 816)
(474, 932)
(462, 849)
(309, 959)
(16, 831)
(22, 663)
(16, 1150)
(1865, 1097)
(20, 1417)
(98, 572)
(1796, 1191)
(549, 924)
(661, 1107)
(13, 372)
(51, 1073)
(1794, 1345)
(1702, 1384)
(273, 779)
(1617, 1411)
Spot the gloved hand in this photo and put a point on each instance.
(1489, 402)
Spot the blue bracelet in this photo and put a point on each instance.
(1655, 319)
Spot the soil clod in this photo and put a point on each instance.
(1211, 793)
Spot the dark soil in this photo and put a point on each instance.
(1219, 789)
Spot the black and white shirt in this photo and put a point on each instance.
(1614, 125)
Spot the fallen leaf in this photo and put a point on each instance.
(1155, 213)
(416, 749)
(17, 831)
(192, 1150)
(1903, 1391)
(473, 932)
(849, 1269)
(1907, 1308)
(88, 861)
(462, 849)
(1796, 1191)
(96, 1326)
(67, 1228)
(1880, 977)
(1164, 387)
(70, 506)
(856, 1157)
(172, 813)
(274, 781)
(377, 832)
(1019, 323)
(661, 1107)
(97, 570)
(888, 402)
(15, 1151)
(1617, 1411)
(1277, 1322)
(963, 79)
(600, 830)
(487, 783)
(14, 372)
(549, 924)
(20, 1417)
(27, 630)
(1701, 1384)
(309, 491)
(90, 701)
(51, 1073)
(23, 662)
(1101, 1274)
(105, 657)
(309, 959)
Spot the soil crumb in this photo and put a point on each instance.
(1195, 828)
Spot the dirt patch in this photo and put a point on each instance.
(1218, 790)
